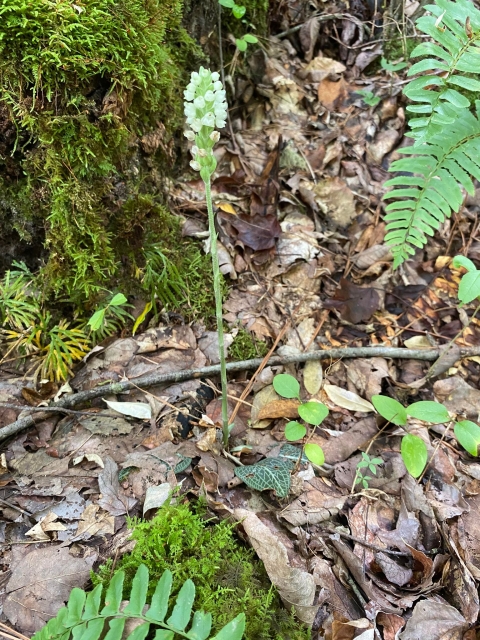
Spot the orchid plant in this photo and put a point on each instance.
(206, 111)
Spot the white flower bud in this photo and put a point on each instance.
(204, 73)
(209, 96)
(220, 111)
(199, 102)
(215, 76)
(195, 165)
(196, 124)
(218, 86)
(208, 120)
(202, 153)
(194, 151)
(189, 135)
(215, 136)
(189, 110)
(220, 123)
(220, 95)
(195, 77)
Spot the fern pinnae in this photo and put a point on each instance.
(429, 197)
(82, 618)
(455, 50)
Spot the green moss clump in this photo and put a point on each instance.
(228, 577)
(80, 84)
(246, 347)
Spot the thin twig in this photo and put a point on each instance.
(364, 543)
(153, 379)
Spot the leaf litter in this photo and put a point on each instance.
(298, 211)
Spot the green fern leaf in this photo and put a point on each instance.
(452, 52)
(183, 607)
(116, 629)
(140, 632)
(113, 597)
(138, 594)
(163, 634)
(92, 604)
(159, 605)
(441, 167)
(233, 630)
(201, 626)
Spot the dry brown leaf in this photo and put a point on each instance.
(435, 620)
(347, 399)
(295, 587)
(313, 376)
(41, 584)
(279, 409)
(335, 195)
(332, 94)
(113, 499)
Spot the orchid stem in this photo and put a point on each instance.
(218, 310)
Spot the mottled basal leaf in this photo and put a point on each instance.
(183, 464)
(271, 473)
(291, 455)
(390, 409)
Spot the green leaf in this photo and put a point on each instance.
(229, 4)
(233, 630)
(390, 409)
(469, 287)
(270, 473)
(241, 44)
(113, 597)
(139, 633)
(75, 606)
(468, 435)
(116, 628)
(286, 386)
(159, 605)
(138, 594)
(92, 604)
(414, 454)
(117, 300)
(463, 261)
(294, 431)
(314, 453)
(251, 39)
(313, 412)
(238, 11)
(96, 320)
(94, 629)
(183, 607)
(163, 634)
(429, 411)
(201, 626)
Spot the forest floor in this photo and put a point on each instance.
(298, 194)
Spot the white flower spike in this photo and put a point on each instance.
(205, 110)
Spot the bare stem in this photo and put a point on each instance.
(218, 310)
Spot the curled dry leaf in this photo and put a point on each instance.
(347, 399)
(279, 409)
(296, 587)
(113, 497)
(435, 620)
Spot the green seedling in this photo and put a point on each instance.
(369, 464)
(312, 412)
(238, 11)
(392, 67)
(368, 97)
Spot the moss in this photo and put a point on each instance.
(245, 346)
(79, 85)
(228, 577)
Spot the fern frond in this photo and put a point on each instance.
(455, 50)
(83, 618)
(431, 188)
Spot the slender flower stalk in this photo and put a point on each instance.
(206, 111)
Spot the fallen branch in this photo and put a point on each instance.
(154, 379)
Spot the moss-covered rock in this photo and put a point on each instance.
(228, 576)
(87, 91)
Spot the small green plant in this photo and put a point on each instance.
(392, 67)
(162, 279)
(238, 11)
(205, 109)
(85, 617)
(413, 448)
(369, 464)
(368, 97)
(246, 347)
(19, 306)
(109, 318)
(312, 412)
(445, 128)
(469, 288)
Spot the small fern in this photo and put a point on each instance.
(446, 152)
(162, 279)
(83, 617)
